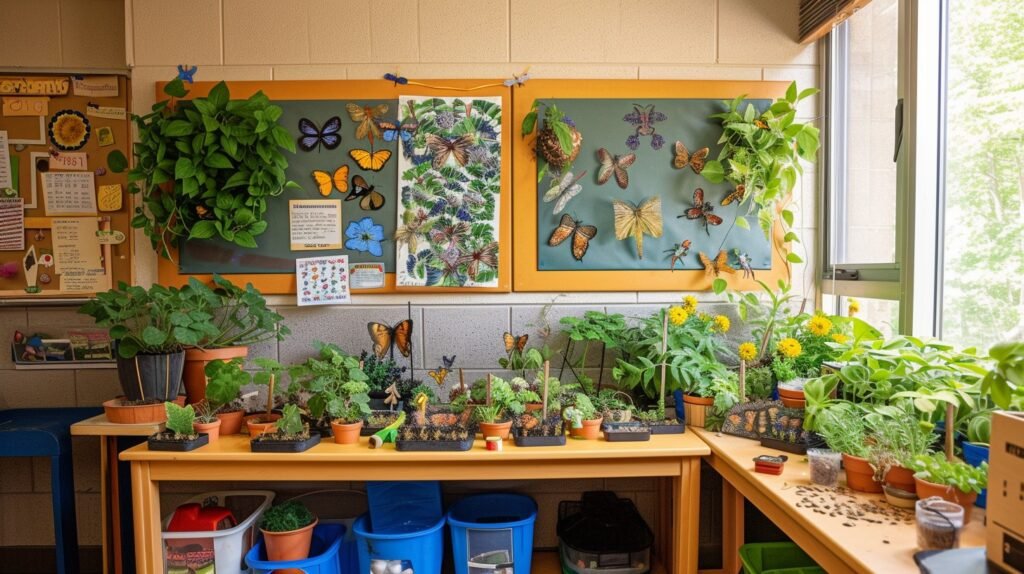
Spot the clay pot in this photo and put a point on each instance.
(859, 474)
(346, 433)
(134, 414)
(231, 422)
(212, 430)
(927, 489)
(496, 429)
(590, 430)
(696, 409)
(194, 376)
(530, 407)
(291, 545)
(901, 478)
(791, 393)
(261, 423)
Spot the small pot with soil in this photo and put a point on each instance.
(180, 435)
(231, 422)
(346, 433)
(825, 466)
(261, 423)
(124, 411)
(860, 476)
(926, 489)
(939, 523)
(287, 533)
(210, 429)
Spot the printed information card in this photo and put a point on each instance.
(314, 224)
(69, 193)
(322, 281)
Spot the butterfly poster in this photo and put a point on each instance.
(322, 281)
(449, 176)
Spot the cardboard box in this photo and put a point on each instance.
(1005, 530)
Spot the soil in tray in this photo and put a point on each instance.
(276, 443)
(793, 447)
(667, 427)
(626, 432)
(434, 445)
(167, 442)
(377, 421)
(529, 430)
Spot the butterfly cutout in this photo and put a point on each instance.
(367, 117)
(695, 161)
(743, 260)
(638, 220)
(702, 210)
(314, 137)
(186, 73)
(737, 195)
(564, 189)
(326, 182)
(516, 80)
(581, 235)
(617, 165)
(513, 343)
(717, 266)
(403, 132)
(370, 161)
(644, 117)
(439, 375)
(386, 338)
(442, 148)
(678, 252)
(486, 255)
(369, 198)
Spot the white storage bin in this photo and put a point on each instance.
(220, 551)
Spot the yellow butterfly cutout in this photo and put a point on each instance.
(326, 182)
(439, 376)
(370, 161)
(636, 221)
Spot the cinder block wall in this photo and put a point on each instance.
(363, 39)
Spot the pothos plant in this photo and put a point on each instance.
(206, 166)
(762, 153)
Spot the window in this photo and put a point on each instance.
(882, 314)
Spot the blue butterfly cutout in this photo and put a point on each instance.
(185, 73)
(314, 137)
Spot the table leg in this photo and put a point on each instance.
(146, 503)
(686, 511)
(732, 527)
(115, 506)
(104, 502)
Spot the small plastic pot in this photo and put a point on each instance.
(825, 466)
(939, 523)
(346, 433)
(859, 474)
(590, 430)
(212, 430)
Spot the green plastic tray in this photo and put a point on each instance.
(777, 558)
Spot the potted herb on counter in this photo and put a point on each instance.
(291, 434)
(543, 426)
(502, 402)
(348, 406)
(584, 420)
(950, 480)
(333, 379)
(180, 434)
(226, 379)
(270, 375)
(845, 431)
(288, 531)
(896, 436)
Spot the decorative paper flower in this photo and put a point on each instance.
(69, 130)
(677, 315)
(722, 323)
(853, 307)
(690, 303)
(365, 235)
(840, 338)
(819, 325)
(790, 348)
(747, 351)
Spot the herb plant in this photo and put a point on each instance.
(936, 469)
(325, 377)
(582, 409)
(595, 327)
(506, 400)
(286, 517)
(290, 425)
(350, 402)
(896, 436)
(759, 383)
(844, 430)
(224, 380)
(179, 420)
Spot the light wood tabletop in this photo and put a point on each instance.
(100, 426)
(820, 524)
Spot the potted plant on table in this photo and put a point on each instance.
(271, 375)
(543, 426)
(896, 436)
(226, 379)
(434, 427)
(584, 420)
(287, 532)
(291, 434)
(502, 402)
(180, 434)
(951, 480)
(348, 406)
(844, 429)
(333, 378)
(381, 374)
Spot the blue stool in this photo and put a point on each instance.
(45, 432)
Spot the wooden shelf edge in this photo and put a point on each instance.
(62, 366)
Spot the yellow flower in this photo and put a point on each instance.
(677, 315)
(748, 351)
(790, 348)
(722, 323)
(853, 307)
(690, 303)
(840, 338)
(819, 325)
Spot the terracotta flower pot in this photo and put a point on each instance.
(696, 409)
(212, 430)
(346, 433)
(927, 489)
(859, 475)
(291, 545)
(793, 403)
(530, 407)
(791, 393)
(901, 478)
(194, 376)
(261, 423)
(134, 414)
(590, 430)
(231, 422)
(496, 429)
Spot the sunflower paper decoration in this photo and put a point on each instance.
(69, 130)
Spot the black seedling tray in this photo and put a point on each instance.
(558, 440)
(674, 428)
(434, 445)
(795, 448)
(172, 445)
(616, 432)
(270, 445)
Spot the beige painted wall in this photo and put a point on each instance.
(363, 39)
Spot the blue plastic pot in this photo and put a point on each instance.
(975, 454)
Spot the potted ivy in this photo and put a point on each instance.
(585, 421)
(287, 532)
(290, 435)
(241, 319)
(226, 379)
(951, 480)
(179, 434)
(270, 375)
(325, 379)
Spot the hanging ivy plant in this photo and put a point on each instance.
(762, 153)
(205, 167)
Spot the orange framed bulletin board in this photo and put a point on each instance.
(322, 95)
(531, 234)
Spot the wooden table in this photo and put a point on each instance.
(833, 545)
(676, 457)
(110, 491)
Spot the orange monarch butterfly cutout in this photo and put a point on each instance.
(326, 182)
(717, 266)
(370, 161)
(386, 338)
(683, 158)
(581, 235)
(515, 343)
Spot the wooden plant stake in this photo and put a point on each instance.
(462, 381)
(950, 431)
(664, 349)
(743, 381)
(489, 377)
(544, 391)
(270, 395)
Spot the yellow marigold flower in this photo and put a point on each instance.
(853, 307)
(747, 351)
(690, 303)
(722, 323)
(819, 325)
(677, 315)
(790, 348)
(840, 338)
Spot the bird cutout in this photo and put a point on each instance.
(638, 220)
(513, 343)
(581, 235)
(743, 261)
(367, 117)
(644, 117)
(717, 266)
(516, 80)
(678, 252)
(683, 158)
(702, 210)
(737, 195)
(614, 164)
(186, 73)
(370, 160)
(385, 338)
(326, 182)
(393, 396)
(563, 190)
(441, 373)
(443, 148)
(313, 137)
(369, 198)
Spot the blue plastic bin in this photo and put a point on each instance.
(421, 550)
(402, 507)
(324, 554)
(975, 454)
(493, 533)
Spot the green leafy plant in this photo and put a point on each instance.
(240, 314)
(350, 402)
(381, 373)
(979, 428)
(896, 436)
(784, 370)
(582, 409)
(595, 327)
(325, 377)
(818, 394)
(179, 420)
(762, 152)
(529, 359)
(1007, 376)
(507, 400)
(844, 429)
(286, 517)
(759, 383)
(224, 380)
(557, 139)
(290, 425)
(937, 469)
(270, 375)
(207, 166)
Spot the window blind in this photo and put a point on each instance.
(818, 17)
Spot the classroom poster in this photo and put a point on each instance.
(12, 224)
(314, 224)
(75, 244)
(69, 193)
(322, 281)
(5, 162)
(449, 200)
